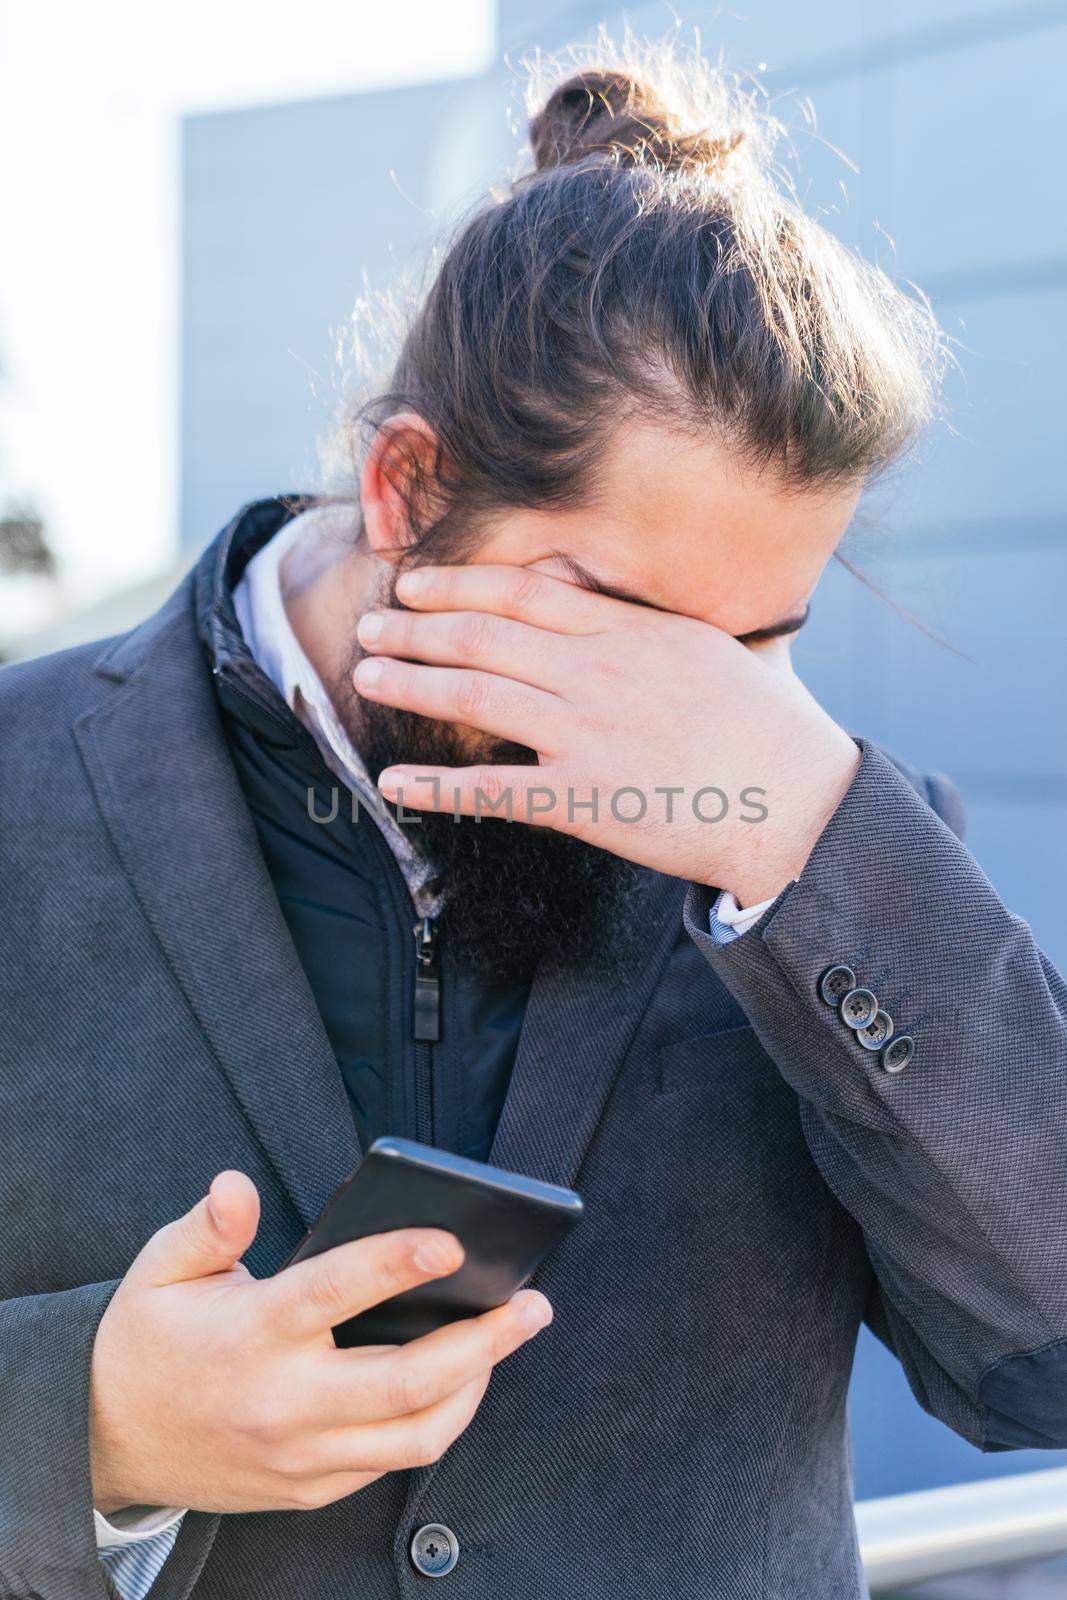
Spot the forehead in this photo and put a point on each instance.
(679, 522)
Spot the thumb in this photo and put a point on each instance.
(210, 1238)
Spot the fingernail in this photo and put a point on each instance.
(369, 628)
(434, 1255)
(537, 1312)
(409, 584)
(368, 673)
(390, 780)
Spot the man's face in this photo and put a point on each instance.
(672, 523)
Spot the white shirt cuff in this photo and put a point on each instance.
(728, 914)
(133, 1524)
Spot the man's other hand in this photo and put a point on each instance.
(653, 731)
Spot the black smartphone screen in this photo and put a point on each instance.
(505, 1222)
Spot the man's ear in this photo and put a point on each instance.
(398, 485)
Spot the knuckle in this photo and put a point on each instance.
(293, 1459)
(398, 677)
(424, 1448)
(504, 1340)
(490, 784)
(590, 724)
(326, 1290)
(407, 1389)
(472, 635)
(441, 584)
(398, 630)
(584, 802)
(266, 1419)
(311, 1495)
(389, 1266)
(606, 667)
(471, 695)
(526, 589)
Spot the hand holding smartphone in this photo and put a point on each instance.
(227, 1393)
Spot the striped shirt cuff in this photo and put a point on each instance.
(728, 921)
(135, 1567)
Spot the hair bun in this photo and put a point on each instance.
(614, 114)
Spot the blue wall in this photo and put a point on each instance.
(949, 107)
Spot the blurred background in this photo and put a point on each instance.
(195, 198)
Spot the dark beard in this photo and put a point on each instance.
(513, 894)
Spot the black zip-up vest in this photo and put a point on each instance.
(425, 1047)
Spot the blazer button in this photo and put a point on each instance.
(434, 1550)
(858, 1008)
(835, 984)
(898, 1053)
(877, 1032)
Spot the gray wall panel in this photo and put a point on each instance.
(999, 714)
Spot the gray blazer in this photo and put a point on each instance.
(756, 1183)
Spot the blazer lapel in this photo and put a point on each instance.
(157, 759)
(577, 1028)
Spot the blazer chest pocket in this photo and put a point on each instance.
(696, 1065)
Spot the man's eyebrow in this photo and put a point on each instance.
(589, 580)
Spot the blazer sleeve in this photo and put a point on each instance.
(47, 1536)
(955, 1167)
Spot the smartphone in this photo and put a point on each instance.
(506, 1224)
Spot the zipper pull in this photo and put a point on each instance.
(427, 982)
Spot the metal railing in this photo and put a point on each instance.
(907, 1538)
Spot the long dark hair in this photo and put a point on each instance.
(651, 264)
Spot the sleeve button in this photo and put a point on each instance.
(835, 983)
(858, 1008)
(878, 1031)
(897, 1054)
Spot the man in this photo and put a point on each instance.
(726, 970)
